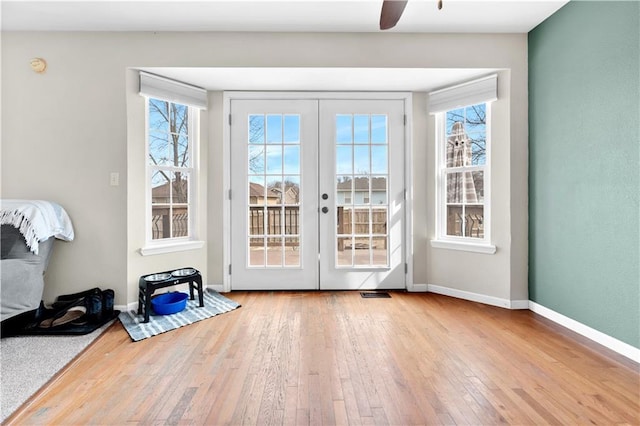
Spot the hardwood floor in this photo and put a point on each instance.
(336, 358)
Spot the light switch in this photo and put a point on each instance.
(114, 179)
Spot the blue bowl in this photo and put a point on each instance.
(169, 303)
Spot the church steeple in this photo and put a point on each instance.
(459, 153)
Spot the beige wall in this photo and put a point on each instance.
(64, 131)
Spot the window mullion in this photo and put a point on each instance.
(464, 168)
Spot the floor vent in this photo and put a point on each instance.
(375, 295)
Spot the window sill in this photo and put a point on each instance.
(464, 246)
(151, 250)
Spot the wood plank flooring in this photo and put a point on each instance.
(300, 358)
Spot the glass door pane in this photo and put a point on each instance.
(361, 176)
(273, 150)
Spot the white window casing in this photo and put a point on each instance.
(153, 86)
(481, 91)
(194, 98)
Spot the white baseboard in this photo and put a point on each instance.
(418, 288)
(519, 304)
(217, 287)
(605, 340)
(480, 298)
(126, 308)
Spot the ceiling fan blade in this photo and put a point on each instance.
(391, 13)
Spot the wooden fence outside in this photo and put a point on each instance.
(286, 222)
(160, 226)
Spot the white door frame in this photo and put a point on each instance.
(226, 152)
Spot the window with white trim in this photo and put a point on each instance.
(462, 115)
(170, 169)
(171, 111)
(463, 171)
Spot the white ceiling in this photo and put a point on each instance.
(457, 16)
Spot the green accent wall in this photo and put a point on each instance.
(584, 172)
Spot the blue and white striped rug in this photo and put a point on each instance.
(214, 304)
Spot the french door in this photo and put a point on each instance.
(317, 194)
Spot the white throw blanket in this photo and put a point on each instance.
(37, 220)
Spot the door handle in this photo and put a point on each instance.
(325, 209)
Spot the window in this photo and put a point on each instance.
(463, 142)
(463, 171)
(170, 168)
(172, 111)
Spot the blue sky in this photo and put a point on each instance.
(274, 144)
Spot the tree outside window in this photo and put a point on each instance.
(170, 165)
